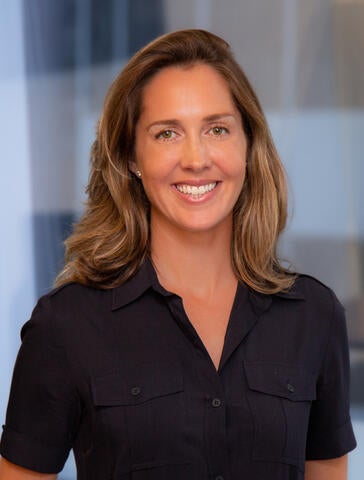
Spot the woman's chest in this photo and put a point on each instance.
(155, 399)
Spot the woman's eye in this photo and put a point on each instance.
(218, 131)
(166, 135)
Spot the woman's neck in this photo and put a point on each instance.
(195, 263)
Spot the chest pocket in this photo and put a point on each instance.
(280, 397)
(140, 411)
(149, 382)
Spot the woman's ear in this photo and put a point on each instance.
(134, 169)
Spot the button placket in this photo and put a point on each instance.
(215, 422)
(216, 434)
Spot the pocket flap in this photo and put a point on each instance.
(132, 388)
(284, 380)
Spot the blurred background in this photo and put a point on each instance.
(305, 60)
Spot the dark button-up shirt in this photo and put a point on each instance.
(121, 377)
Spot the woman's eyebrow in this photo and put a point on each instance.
(218, 116)
(169, 121)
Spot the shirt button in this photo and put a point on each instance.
(216, 402)
(135, 391)
(290, 387)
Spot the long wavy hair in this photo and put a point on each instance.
(112, 238)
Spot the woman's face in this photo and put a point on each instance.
(190, 149)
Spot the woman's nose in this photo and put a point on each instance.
(195, 155)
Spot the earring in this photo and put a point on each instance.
(138, 173)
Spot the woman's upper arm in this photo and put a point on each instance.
(334, 469)
(330, 433)
(10, 471)
(44, 408)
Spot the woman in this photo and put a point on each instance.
(176, 346)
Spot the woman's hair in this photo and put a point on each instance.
(112, 238)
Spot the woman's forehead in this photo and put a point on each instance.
(198, 89)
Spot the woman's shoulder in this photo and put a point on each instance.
(317, 295)
(78, 294)
(69, 305)
(309, 285)
(306, 283)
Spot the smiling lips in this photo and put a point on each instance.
(195, 191)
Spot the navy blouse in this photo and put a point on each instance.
(121, 377)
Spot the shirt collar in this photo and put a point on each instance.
(134, 287)
(146, 278)
(143, 280)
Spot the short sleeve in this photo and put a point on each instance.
(43, 409)
(330, 432)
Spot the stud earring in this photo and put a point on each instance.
(138, 173)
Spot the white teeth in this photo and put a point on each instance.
(195, 191)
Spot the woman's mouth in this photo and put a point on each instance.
(194, 191)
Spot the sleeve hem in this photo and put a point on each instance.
(332, 444)
(27, 452)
